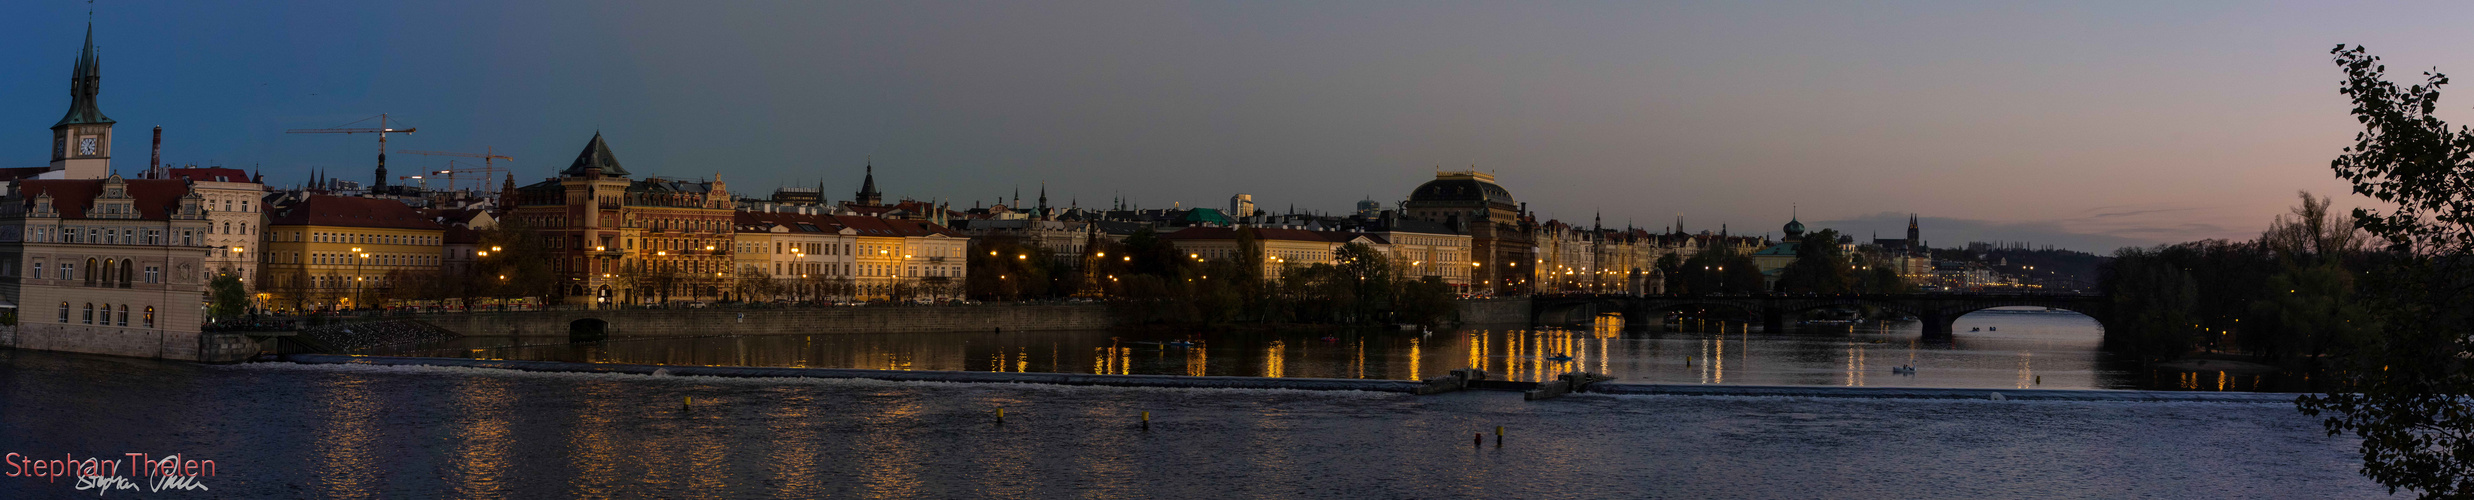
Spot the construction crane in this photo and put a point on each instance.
(382, 131)
(488, 169)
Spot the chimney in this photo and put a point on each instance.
(157, 162)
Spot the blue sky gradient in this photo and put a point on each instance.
(2084, 125)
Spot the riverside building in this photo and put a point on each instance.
(341, 252)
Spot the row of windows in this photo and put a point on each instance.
(367, 238)
(104, 314)
(866, 270)
(98, 272)
(105, 235)
(375, 259)
(811, 248)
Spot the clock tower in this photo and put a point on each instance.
(82, 141)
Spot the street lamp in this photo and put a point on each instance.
(357, 278)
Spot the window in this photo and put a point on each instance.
(68, 270)
(89, 313)
(38, 270)
(124, 274)
(64, 312)
(150, 315)
(90, 272)
(124, 315)
(154, 274)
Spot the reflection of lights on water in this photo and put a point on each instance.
(1274, 364)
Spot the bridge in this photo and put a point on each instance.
(1935, 310)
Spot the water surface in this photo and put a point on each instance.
(297, 431)
(2002, 348)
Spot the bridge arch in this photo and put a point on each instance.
(1950, 316)
(1935, 311)
(588, 330)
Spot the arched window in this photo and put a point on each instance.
(107, 272)
(124, 315)
(150, 316)
(90, 265)
(89, 315)
(64, 312)
(125, 268)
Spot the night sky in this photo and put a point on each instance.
(2087, 126)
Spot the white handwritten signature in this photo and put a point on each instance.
(106, 484)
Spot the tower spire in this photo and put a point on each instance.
(867, 187)
(85, 81)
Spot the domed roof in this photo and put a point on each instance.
(1794, 227)
(1461, 189)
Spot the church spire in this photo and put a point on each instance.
(867, 187)
(85, 80)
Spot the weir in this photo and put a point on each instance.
(1458, 380)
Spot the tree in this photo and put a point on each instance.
(1670, 269)
(226, 297)
(517, 265)
(1722, 268)
(755, 284)
(2313, 234)
(2154, 303)
(1008, 268)
(2404, 382)
(1819, 266)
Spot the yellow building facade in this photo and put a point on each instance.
(336, 253)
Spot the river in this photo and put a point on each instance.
(1999, 348)
(338, 431)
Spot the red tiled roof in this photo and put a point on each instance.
(155, 198)
(323, 210)
(209, 174)
(459, 234)
(21, 173)
(871, 226)
(1230, 233)
(822, 223)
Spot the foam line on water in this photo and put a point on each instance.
(1938, 393)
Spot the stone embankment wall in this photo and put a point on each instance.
(1495, 311)
(107, 340)
(796, 321)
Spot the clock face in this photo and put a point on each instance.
(85, 146)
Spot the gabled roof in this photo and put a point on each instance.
(344, 211)
(155, 199)
(596, 154)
